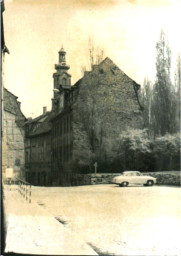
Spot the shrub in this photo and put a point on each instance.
(167, 152)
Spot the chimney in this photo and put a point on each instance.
(44, 110)
(19, 103)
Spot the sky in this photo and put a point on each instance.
(127, 31)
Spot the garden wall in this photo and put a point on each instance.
(167, 178)
(73, 179)
(163, 178)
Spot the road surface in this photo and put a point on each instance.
(118, 220)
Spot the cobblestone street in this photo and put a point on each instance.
(121, 221)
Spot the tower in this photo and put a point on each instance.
(61, 77)
(62, 81)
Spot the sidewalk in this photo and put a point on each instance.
(32, 230)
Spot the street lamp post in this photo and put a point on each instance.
(95, 165)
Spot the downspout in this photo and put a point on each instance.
(136, 88)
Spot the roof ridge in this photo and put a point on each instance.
(40, 116)
(11, 93)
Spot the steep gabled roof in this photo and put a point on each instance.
(11, 104)
(115, 69)
(40, 124)
(108, 61)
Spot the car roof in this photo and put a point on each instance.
(130, 171)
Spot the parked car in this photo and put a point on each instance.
(133, 177)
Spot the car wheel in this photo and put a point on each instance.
(124, 184)
(149, 183)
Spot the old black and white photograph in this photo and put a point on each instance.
(90, 127)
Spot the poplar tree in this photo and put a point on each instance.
(162, 106)
(178, 92)
(147, 99)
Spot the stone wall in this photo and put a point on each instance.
(106, 104)
(81, 150)
(74, 179)
(103, 178)
(163, 178)
(167, 178)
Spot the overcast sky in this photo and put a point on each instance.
(126, 30)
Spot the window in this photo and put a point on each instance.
(26, 157)
(64, 81)
(101, 70)
(17, 162)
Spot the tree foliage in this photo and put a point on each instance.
(177, 93)
(135, 150)
(178, 75)
(147, 101)
(161, 100)
(167, 152)
(162, 105)
(138, 152)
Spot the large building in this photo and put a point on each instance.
(38, 149)
(13, 135)
(87, 118)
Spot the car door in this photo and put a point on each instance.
(130, 178)
(133, 178)
(140, 179)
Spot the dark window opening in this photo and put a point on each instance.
(101, 71)
(64, 81)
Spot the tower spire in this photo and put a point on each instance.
(62, 80)
(61, 66)
(62, 56)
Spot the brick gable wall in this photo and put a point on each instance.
(106, 104)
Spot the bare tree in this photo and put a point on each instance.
(83, 69)
(91, 52)
(96, 54)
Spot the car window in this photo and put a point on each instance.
(138, 174)
(129, 174)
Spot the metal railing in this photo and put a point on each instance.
(24, 188)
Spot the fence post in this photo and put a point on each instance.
(26, 193)
(20, 187)
(30, 195)
(24, 188)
